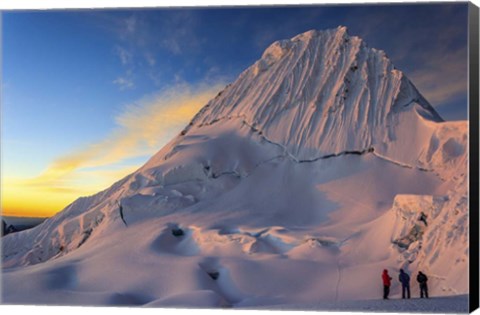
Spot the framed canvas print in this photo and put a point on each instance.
(319, 157)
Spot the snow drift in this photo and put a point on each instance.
(297, 184)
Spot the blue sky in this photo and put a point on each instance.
(73, 81)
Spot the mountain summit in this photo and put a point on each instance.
(321, 92)
(318, 160)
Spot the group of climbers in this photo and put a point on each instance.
(404, 279)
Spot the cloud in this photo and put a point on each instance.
(179, 32)
(130, 24)
(146, 42)
(443, 77)
(142, 128)
(124, 82)
(150, 59)
(124, 55)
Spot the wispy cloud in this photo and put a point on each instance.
(124, 55)
(151, 61)
(125, 82)
(141, 129)
(179, 32)
(443, 77)
(146, 42)
(130, 24)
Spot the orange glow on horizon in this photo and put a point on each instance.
(141, 130)
(37, 198)
(20, 199)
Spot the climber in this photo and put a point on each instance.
(423, 218)
(422, 280)
(404, 278)
(386, 284)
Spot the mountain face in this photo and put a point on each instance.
(320, 166)
(321, 93)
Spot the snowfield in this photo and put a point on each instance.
(444, 305)
(292, 189)
(451, 304)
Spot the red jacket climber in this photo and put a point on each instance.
(386, 284)
(386, 278)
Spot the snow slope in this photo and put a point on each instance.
(297, 185)
(451, 304)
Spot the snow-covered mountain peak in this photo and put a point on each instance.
(319, 93)
(312, 37)
(341, 32)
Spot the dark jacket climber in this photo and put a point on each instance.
(386, 284)
(423, 218)
(404, 278)
(422, 281)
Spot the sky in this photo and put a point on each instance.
(89, 95)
